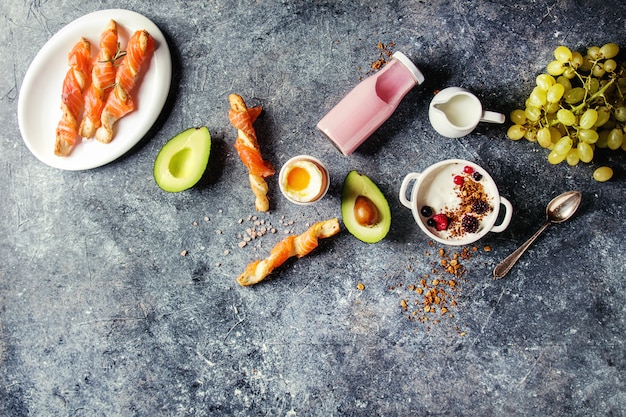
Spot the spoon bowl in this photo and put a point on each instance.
(563, 207)
(559, 209)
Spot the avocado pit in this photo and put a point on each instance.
(365, 211)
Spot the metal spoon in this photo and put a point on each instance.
(561, 208)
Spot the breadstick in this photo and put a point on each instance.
(248, 149)
(102, 79)
(76, 80)
(294, 245)
(119, 102)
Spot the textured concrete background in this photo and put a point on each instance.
(100, 315)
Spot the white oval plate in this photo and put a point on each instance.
(40, 95)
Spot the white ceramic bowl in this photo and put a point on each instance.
(435, 188)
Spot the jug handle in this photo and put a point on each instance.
(492, 117)
(404, 188)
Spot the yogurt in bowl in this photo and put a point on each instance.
(455, 202)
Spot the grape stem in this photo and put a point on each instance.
(599, 93)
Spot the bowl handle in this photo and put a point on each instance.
(507, 216)
(404, 188)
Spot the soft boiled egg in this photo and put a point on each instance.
(303, 179)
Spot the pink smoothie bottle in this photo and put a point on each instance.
(369, 104)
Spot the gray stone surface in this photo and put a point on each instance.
(100, 315)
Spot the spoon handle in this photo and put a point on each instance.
(505, 266)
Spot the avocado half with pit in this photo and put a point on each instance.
(364, 208)
(183, 159)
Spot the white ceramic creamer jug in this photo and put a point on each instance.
(454, 112)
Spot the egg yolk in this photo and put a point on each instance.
(298, 178)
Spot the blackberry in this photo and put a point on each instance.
(469, 223)
(477, 176)
(480, 207)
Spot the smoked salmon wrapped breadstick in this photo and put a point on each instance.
(119, 102)
(75, 82)
(299, 246)
(102, 80)
(248, 149)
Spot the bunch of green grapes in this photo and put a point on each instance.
(578, 105)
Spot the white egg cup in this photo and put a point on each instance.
(325, 179)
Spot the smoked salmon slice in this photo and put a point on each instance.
(76, 80)
(243, 120)
(293, 245)
(247, 146)
(253, 160)
(102, 80)
(120, 102)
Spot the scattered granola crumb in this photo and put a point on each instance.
(360, 286)
(384, 55)
(430, 297)
(184, 253)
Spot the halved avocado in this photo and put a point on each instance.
(183, 159)
(364, 208)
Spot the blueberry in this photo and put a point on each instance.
(431, 222)
(426, 211)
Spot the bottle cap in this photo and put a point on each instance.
(417, 74)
